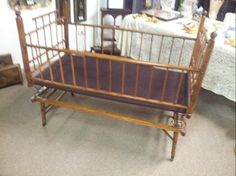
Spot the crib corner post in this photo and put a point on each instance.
(174, 143)
(43, 113)
(22, 40)
(177, 124)
(66, 22)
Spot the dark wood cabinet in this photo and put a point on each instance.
(9, 73)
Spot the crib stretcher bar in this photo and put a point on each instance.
(49, 13)
(116, 58)
(50, 106)
(176, 105)
(41, 67)
(41, 54)
(166, 132)
(44, 26)
(50, 93)
(103, 113)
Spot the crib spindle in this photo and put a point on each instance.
(63, 37)
(163, 91)
(179, 86)
(102, 36)
(136, 79)
(150, 52)
(61, 68)
(131, 40)
(37, 37)
(44, 32)
(85, 72)
(94, 37)
(110, 76)
(39, 65)
(76, 37)
(50, 29)
(56, 29)
(113, 41)
(150, 83)
(171, 48)
(181, 52)
(85, 47)
(123, 78)
(97, 74)
(72, 69)
(122, 39)
(160, 50)
(32, 53)
(50, 66)
(140, 47)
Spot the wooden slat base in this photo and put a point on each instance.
(103, 113)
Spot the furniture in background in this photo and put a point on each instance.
(9, 73)
(108, 41)
(228, 6)
(220, 76)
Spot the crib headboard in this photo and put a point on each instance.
(199, 60)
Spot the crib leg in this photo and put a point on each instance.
(43, 113)
(174, 143)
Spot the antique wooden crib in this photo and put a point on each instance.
(56, 57)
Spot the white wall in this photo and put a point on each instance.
(9, 42)
(116, 4)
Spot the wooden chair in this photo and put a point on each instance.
(110, 48)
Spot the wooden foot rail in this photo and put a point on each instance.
(45, 97)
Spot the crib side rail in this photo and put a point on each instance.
(111, 60)
(137, 44)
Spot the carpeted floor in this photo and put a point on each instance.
(78, 144)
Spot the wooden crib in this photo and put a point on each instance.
(56, 57)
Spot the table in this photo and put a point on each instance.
(220, 76)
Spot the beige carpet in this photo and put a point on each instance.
(80, 144)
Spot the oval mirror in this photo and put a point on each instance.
(28, 4)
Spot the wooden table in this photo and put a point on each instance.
(220, 77)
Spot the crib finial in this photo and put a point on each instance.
(213, 35)
(204, 13)
(18, 13)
